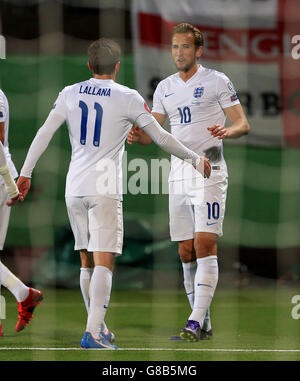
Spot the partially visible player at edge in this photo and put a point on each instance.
(27, 298)
(99, 115)
(197, 100)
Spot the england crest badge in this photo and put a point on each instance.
(198, 92)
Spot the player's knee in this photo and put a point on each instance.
(205, 244)
(86, 259)
(186, 251)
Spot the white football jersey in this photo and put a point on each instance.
(192, 107)
(4, 117)
(99, 115)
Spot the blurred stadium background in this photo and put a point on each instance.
(250, 40)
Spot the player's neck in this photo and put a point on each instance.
(186, 75)
(105, 76)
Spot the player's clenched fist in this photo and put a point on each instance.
(204, 167)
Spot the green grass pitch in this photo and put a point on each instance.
(249, 325)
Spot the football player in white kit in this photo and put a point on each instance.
(99, 114)
(196, 100)
(27, 297)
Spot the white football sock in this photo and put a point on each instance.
(206, 280)
(13, 284)
(189, 271)
(100, 289)
(85, 279)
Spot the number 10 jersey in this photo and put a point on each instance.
(192, 107)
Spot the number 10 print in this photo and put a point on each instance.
(213, 210)
(185, 114)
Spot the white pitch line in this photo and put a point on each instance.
(153, 349)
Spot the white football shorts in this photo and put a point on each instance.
(192, 211)
(4, 214)
(97, 223)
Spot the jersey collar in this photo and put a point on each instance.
(200, 68)
(106, 81)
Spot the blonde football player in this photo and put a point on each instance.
(27, 297)
(197, 100)
(99, 115)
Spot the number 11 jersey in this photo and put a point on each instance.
(99, 115)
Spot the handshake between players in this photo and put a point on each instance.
(23, 184)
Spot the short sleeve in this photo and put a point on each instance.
(138, 110)
(226, 93)
(157, 104)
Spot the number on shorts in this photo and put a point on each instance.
(213, 210)
(98, 123)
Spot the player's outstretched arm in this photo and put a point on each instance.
(40, 142)
(170, 144)
(137, 135)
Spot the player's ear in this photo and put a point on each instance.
(199, 52)
(90, 66)
(117, 66)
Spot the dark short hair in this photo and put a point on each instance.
(186, 28)
(103, 55)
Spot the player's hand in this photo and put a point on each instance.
(134, 135)
(204, 167)
(218, 131)
(15, 200)
(24, 184)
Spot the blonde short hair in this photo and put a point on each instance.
(189, 28)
